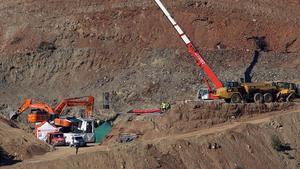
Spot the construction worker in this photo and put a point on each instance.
(165, 106)
(76, 147)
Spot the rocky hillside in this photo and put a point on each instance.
(56, 49)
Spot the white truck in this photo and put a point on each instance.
(86, 130)
(87, 126)
(72, 139)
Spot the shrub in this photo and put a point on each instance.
(46, 46)
(278, 145)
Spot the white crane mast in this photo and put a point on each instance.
(171, 19)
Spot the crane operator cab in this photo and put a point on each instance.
(203, 94)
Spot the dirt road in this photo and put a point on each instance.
(223, 127)
(65, 152)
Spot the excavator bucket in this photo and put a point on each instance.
(13, 115)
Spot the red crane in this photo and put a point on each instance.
(194, 53)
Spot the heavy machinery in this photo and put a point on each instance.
(196, 55)
(85, 127)
(232, 91)
(287, 91)
(72, 139)
(87, 102)
(236, 92)
(56, 138)
(41, 112)
(258, 92)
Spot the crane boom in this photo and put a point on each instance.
(192, 50)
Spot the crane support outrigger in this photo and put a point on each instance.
(194, 53)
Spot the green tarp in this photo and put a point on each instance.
(102, 131)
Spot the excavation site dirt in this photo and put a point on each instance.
(225, 136)
(52, 50)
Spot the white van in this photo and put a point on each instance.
(73, 139)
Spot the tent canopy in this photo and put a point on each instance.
(43, 129)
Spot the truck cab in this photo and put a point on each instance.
(56, 138)
(231, 92)
(289, 86)
(287, 91)
(87, 126)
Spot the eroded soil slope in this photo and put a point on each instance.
(16, 144)
(188, 117)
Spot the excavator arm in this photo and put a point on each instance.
(87, 101)
(25, 105)
(45, 112)
(192, 50)
(28, 105)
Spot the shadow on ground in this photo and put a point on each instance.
(6, 159)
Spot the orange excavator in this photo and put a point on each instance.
(41, 112)
(87, 101)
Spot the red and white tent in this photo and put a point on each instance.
(43, 129)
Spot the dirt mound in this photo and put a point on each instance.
(187, 117)
(16, 144)
(8, 122)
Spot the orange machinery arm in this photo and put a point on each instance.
(87, 101)
(28, 105)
